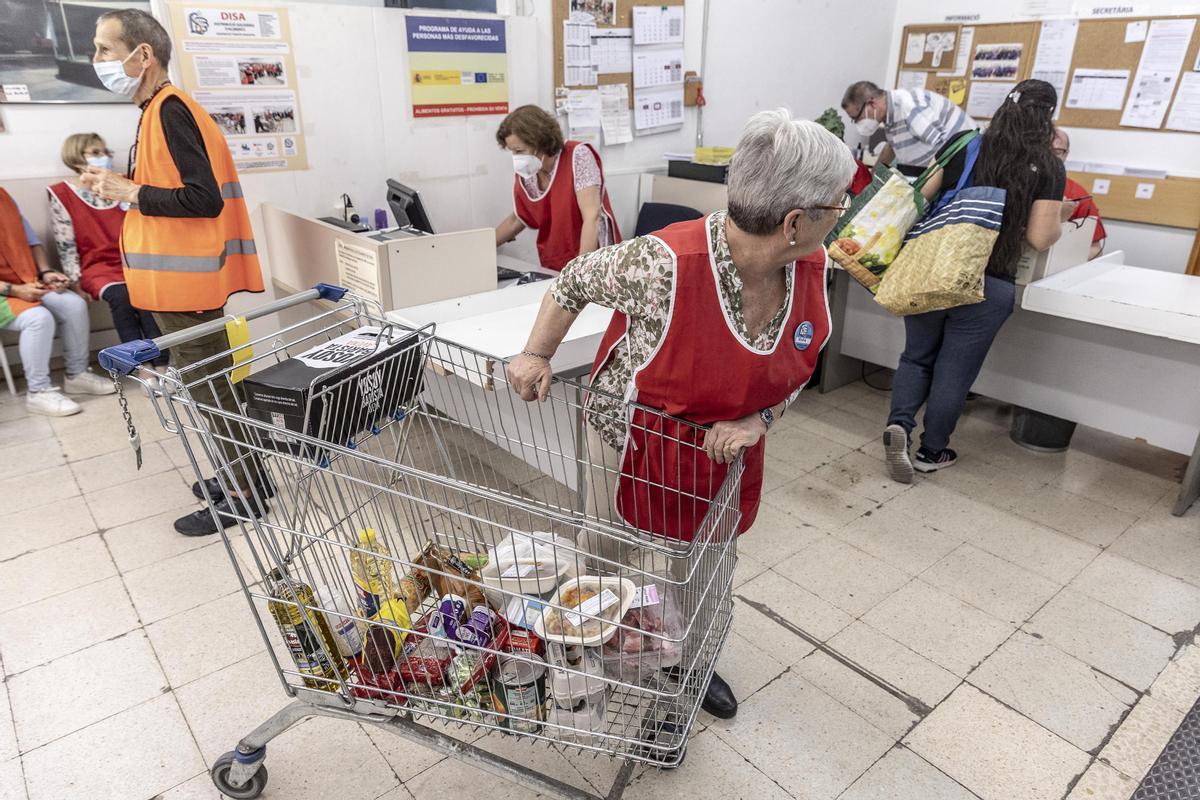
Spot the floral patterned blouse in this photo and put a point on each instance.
(637, 278)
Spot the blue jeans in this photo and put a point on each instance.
(943, 353)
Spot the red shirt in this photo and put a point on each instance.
(97, 238)
(1085, 209)
(704, 372)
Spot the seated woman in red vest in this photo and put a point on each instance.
(719, 321)
(558, 189)
(87, 231)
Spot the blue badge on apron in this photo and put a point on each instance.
(804, 335)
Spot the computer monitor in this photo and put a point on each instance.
(407, 207)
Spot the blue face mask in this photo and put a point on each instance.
(103, 162)
(112, 75)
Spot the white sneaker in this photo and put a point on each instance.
(88, 382)
(51, 402)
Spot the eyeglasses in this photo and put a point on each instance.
(1061, 152)
(842, 207)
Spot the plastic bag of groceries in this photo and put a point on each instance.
(868, 237)
(651, 641)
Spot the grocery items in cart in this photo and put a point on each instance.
(367, 376)
(577, 693)
(372, 570)
(527, 564)
(650, 635)
(520, 692)
(339, 616)
(305, 632)
(583, 609)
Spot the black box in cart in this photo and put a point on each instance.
(345, 385)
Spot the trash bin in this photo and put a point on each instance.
(1041, 432)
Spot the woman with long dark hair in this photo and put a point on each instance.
(944, 350)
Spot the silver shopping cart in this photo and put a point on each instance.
(424, 551)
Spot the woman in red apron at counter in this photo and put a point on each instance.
(719, 321)
(558, 190)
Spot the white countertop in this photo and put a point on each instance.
(1113, 294)
(498, 323)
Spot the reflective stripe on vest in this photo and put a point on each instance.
(231, 190)
(159, 263)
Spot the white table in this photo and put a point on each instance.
(1104, 344)
(494, 327)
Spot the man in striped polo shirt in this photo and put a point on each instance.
(916, 122)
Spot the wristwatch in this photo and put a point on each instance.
(7, 290)
(767, 415)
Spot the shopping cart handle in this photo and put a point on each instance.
(128, 356)
(328, 291)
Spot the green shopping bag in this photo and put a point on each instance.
(868, 237)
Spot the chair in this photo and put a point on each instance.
(8, 378)
(656, 216)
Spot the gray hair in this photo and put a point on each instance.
(860, 92)
(138, 27)
(782, 164)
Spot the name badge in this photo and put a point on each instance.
(804, 335)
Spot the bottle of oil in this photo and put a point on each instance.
(373, 572)
(305, 633)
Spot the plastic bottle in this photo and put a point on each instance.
(346, 631)
(306, 634)
(373, 573)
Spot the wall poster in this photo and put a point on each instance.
(238, 63)
(458, 66)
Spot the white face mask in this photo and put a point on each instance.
(112, 75)
(103, 162)
(866, 126)
(526, 165)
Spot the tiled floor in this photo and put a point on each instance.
(1018, 627)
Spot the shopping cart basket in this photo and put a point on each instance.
(422, 550)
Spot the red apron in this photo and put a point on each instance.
(703, 372)
(556, 215)
(97, 238)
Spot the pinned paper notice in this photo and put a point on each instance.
(914, 49)
(1100, 186)
(1144, 191)
(957, 92)
(15, 93)
(1135, 31)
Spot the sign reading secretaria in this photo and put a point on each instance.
(458, 66)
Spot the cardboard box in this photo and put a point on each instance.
(338, 388)
(1070, 250)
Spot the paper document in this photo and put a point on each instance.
(1135, 31)
(583, 108)
(578, 69)
(657, 66)
(1166, 45)
(658, 24)
(985, 98)
(914, 48)
(962, 56)
(1098, 89)
(997, 62)
(612, 50)
(1100, 185)
(655, 108)
(1185, 112)
(1144, 191)
(939, 43)
(578, 33)
(911, 79)
(615, 119)
(1052, 61)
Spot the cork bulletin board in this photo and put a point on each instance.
(926, 62)
(623, 18)
(1101, 45)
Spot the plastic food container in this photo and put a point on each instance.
(529, 564)
(589, 602)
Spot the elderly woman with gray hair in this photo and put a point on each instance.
(719, 321)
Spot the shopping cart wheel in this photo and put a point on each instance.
(247, 791)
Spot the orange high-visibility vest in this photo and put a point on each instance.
(187, 263)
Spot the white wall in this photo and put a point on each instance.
(796, 53)
(1154, 246)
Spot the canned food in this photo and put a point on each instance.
(478, 629)
(520, 691)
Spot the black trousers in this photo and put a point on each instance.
(132, 323)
